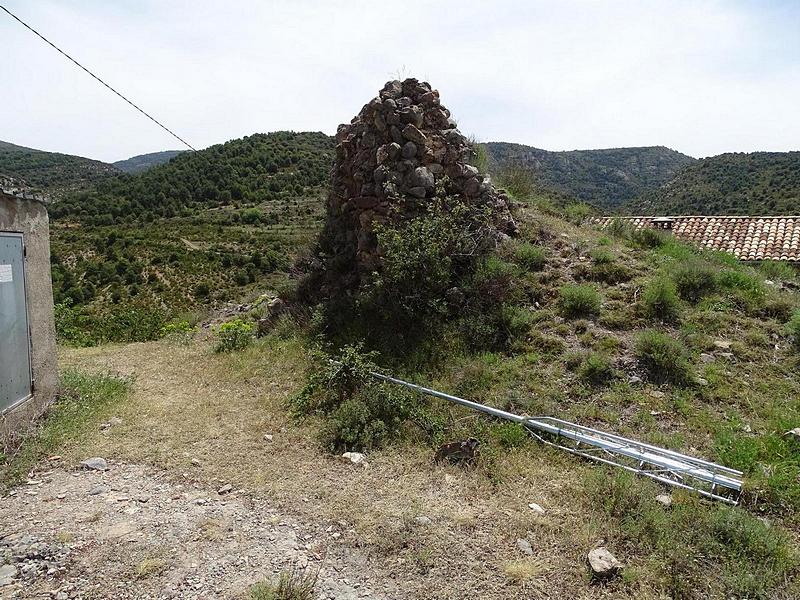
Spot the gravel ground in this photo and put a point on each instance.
(131, 532)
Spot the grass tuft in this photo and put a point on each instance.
(579, 301)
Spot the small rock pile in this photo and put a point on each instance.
(399, 153)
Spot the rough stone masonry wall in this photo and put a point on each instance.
(389, 160)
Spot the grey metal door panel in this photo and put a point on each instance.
(15, 359)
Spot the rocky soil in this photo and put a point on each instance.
(131, 532)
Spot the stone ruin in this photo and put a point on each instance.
(394, 157)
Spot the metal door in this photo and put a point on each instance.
(15, 359)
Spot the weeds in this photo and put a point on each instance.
(793, 328)
(694, 279)
(84, 400)
(753, 559)
(234, 335)
(596, 369)
(530, 257)
(660, 300)
(579, 301)
(361, 412)
(665, 359)
(296, 584)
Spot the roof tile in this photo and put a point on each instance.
(748, 238)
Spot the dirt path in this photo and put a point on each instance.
(130, 532)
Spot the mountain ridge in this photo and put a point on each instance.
(607, 177)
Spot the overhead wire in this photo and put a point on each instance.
(68, 57)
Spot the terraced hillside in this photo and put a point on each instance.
(219, 225)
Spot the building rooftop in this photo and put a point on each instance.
(747, 238)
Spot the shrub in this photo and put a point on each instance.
(579, 301)
(530, 257)
(202, 290)
(511, 435)
(133, 323)
(660, 300)
(596, 369)
(577, 213)
(291, 585)
(71, 325)
(362, 413)
(367, 420)
(234, 335)
(619, 228)
(601, 256)
(665, 358)
(648, 238)
(777, 269)
(746, 290)
(516, 320)
(179, 331)
(517, 181)
(694, 279)
(793, 326)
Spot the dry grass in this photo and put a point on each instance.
(152, 565)
(188, 403)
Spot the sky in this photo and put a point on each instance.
(699, 77)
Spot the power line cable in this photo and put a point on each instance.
(153, 119)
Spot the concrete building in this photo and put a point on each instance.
(28, 372)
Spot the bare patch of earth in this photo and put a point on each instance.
(132, 532)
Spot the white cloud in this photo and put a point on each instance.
(702, 78)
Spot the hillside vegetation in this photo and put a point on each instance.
(760, 183)
(142, 162)
(219, 225)
(631, 332)
(605, 178)
(51, 172)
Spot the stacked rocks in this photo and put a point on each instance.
(394, 157)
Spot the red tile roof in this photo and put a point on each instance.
(747, 238)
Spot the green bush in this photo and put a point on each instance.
(660, 300)
(132, 323)
(180, 331)
(793, 327)
(777, 269)
(619, 228)
(648, 238)
(373, 416)
(71, 325)
(579, 301)
(601, 256)
(596, 369)
(516, 320)
(664, 358)
(577, 213)
(532, 258)
(361, 412)
(234, 335)
(694, 279)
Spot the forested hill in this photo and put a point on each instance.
(759, 183)
(142, 162)
(254, 169)
(605, 178)
(51, 172)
